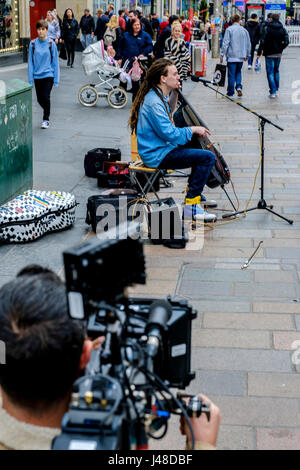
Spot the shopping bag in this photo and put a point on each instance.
(220, 75)
(63, 53)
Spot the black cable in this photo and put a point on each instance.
(162, 435)
(179, 404)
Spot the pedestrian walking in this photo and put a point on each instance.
(176, 50)
(146, 25)
(101, 24)
(274, 40)
(134, 43)
(236, 48)
(58, 18)
(43, 68)
(186, 26)
(87, 27)
(70, 30)
(113, 34)
(253, 28)
(122, 21)
(53, 27)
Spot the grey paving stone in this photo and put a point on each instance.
(195, 289)
(241, 360)
(258, 411)
(221, 306)
(297, 320)
(191, 274)
(274, 385)
(212, 382)
(266, 289)
(249, 321)
(236, 438)
(230, 338)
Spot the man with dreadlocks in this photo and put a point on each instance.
(161, 144)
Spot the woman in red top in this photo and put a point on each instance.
(187, 30)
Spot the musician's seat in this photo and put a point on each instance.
(150, 177)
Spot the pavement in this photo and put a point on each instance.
(246, 337)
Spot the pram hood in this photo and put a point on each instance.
(94, 57)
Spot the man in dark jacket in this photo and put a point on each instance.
(101, 25)
(87, 27)
(274, 39)
(146, 25)
(159, 47)
(253, 28)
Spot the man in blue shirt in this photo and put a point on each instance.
(161, 144)
(43, 68)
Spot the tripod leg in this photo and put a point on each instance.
(281, 216)
(234, 208)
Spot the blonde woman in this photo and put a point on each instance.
(176, 50)
(113, 33)
(53, 27)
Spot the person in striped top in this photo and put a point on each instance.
(176, 50)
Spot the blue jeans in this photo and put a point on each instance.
(234, 76)
(201, 162)
(272, 69)
(86, 40)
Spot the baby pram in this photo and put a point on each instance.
(94, 60)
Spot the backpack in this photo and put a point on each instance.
(135, 71)
(50, 48)
(110, 36)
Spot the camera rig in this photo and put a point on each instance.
(124, 396)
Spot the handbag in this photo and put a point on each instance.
(220, 74)
(95, 158)
(63, 52)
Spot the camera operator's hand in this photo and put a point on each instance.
(205, 431)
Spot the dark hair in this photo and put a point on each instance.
(269, 15)
(172, 19)
(133, 11)
(152, 79)
(43, 345)
(36, 269)
(121, 11)
(235, 18)
(42, 24)
(275, 17)
(253, 16)
(65, 14)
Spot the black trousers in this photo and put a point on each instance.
(134, 89)
(43, 87)
(70, 49)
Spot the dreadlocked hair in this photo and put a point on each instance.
(152, 79)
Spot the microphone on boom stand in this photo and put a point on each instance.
(195, 78)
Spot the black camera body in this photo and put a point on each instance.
(147, 348)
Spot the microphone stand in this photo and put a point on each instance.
(262, 121)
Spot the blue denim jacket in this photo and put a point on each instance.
(156, 135)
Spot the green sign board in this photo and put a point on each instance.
(16, 174)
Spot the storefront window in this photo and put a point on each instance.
(9, 26)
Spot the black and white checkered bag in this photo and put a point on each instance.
(34, 213)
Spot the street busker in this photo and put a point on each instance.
(237, 48)
(253, 28)
(161, 144)
(43, 68)
(274, 40)
(69, 33)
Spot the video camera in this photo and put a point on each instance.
(125, 395)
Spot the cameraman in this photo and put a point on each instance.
(45, 353)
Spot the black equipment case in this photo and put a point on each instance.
(114, 205)
(166, 226)
(34, 213)
(95, 158)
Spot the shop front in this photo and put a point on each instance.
(9, 29)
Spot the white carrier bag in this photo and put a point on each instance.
(34, 213)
